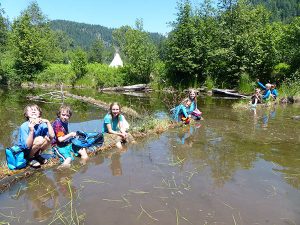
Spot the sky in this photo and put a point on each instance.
(156, 14)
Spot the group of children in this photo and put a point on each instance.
(269, 93)
(187, 109)
(37, 134)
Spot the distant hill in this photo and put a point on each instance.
(282, 10)
(85, 34)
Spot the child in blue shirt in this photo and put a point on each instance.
(35, 135)
(267, 95)
(180, 112)
(114, 123)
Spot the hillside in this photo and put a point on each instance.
(85, 34)
(282, 10)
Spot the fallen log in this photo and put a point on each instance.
(136, 87)
(228, 92)
(103, 105)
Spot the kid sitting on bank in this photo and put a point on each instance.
(35, 135)
(62, 146)
(114, 123)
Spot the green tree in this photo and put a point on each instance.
(3, 29)
(180, 58)
(96, 52)
(140, 53)
(30, 39)
(79, 64)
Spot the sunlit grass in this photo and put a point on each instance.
(290, 88)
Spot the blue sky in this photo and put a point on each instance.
(156, 14)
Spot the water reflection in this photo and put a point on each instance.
(242, 165)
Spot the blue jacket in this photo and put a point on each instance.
(274, 92)
(192, 107)
(178, 111)
(267, 93)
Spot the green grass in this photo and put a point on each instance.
(290, 88)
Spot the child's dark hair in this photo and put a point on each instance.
(65, 108)
(31, 106)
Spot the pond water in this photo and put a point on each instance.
(234, 167)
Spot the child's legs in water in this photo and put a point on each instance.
(83, 153)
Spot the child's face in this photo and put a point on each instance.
(115, 110)
(192, 94)
(64, 116)
(188, 104)
(33, 112)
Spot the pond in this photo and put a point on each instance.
(234, 167)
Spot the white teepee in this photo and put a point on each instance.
(117, 61)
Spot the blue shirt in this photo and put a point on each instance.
(179, 110)
(267, 92)
(39, 130)
(113, 121)
(274, 92)
(192, 107)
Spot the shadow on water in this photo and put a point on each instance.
(234, 167)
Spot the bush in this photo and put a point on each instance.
(246, 86)
(101, 75)
(210, 83)
(281, 71)
(290, 87)
(56, 74)
(158, 77)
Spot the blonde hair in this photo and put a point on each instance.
(25, 112)
(185, 101)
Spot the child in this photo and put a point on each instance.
(35, 135)
(61, 144)
(116, 124)
(274, 92)
(180, 112)
(192, 110)
(256, 98)
(267, 93)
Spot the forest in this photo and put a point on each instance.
(224, 45)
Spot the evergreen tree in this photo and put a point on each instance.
(96, 52)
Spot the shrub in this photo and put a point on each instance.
(210, 83)
(246, 86)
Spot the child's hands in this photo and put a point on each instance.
(72, 134)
